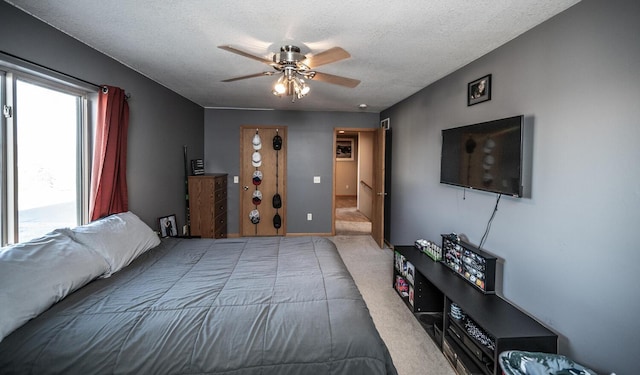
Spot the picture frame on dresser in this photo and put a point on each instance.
(167, 226)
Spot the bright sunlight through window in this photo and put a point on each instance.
(47, 157)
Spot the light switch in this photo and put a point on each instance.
(316, 179)
(235, 179)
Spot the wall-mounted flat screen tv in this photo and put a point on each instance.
(485, 156)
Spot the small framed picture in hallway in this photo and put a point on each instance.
(344, 149)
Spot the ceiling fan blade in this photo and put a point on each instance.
(246, 54)
(326, 57)
(336, 80)
(248, 76)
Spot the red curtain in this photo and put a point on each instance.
(109, 172)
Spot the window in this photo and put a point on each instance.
(47, 165)
(45, 161)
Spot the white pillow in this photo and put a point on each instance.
(36, 274)
(119, 238)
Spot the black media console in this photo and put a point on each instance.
(471, 327)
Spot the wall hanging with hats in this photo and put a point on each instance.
(263, 180)
(277, 198)
(256, 196)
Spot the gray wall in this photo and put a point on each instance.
(570, 252)
(160, 123)
(309, 153)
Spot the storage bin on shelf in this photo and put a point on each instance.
(469, 262)
(429, 248)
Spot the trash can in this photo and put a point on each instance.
(514, 362)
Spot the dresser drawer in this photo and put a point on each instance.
(219, 208)
(220, 221)
(220, 183)
(221, 232)
(220, 225)
(220, 195)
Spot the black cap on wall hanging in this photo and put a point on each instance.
(277, 199)
(277, 141)
(277, 221)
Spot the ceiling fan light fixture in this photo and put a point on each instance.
(299, 87)
(305, 90)
(294, 67)
(280, 87)
(302, 87)
(290, 84)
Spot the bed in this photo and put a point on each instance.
(268, 305)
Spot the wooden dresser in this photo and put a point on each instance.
(208, 205)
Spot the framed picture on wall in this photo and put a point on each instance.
(479, 91)
(344, 149)
(168, 226)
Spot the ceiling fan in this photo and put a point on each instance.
(296, 68)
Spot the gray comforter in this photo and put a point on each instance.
(200, 306)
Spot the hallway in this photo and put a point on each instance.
(350, 221)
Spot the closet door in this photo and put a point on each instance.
(259, 158)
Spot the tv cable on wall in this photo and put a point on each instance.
(493, 215)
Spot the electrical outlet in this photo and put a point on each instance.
(309, 217)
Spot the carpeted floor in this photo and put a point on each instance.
(351, 214)
(412, 351)
(350, 221)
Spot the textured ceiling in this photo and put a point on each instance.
(396, 47)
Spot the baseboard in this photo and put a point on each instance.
(308, 234)
(237, 235)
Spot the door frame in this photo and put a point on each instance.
(377, 159)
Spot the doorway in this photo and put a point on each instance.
(349, 219)
(370, 192)
(353, 191)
